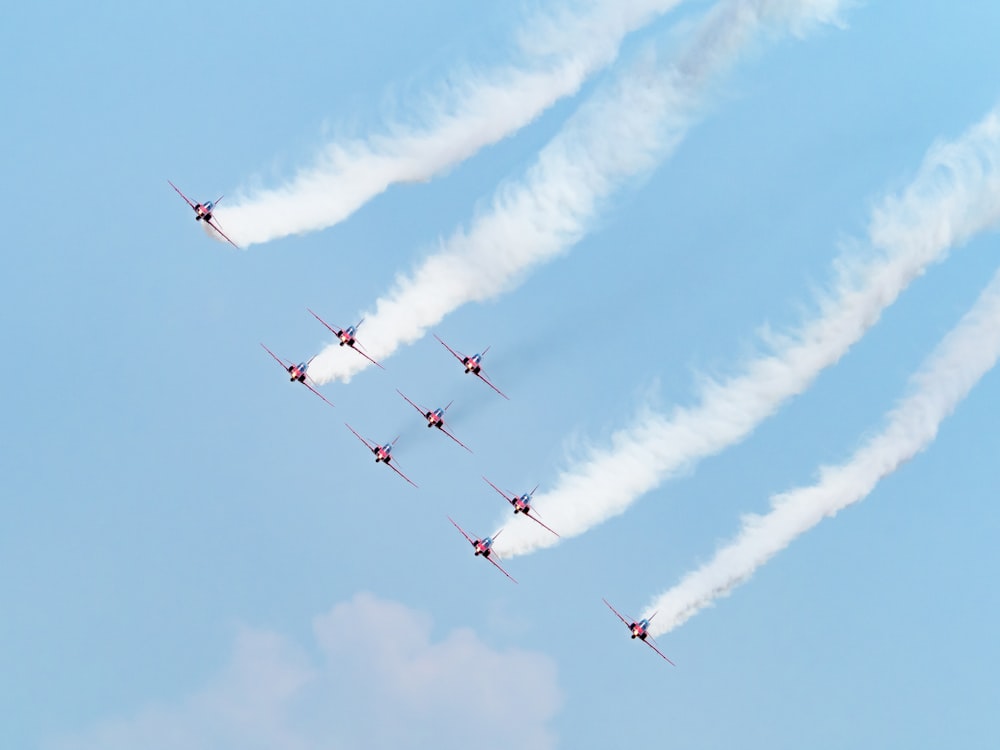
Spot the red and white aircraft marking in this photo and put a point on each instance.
(203, 212)
(639, 629)
(435, 418)
(521, 503)
(348, 336)
(382, 453)
(484, 547)
(298, 372)
(473, 364)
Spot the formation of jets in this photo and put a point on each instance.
(521, 503)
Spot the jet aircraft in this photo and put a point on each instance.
(383, 453)
(639, 629)
(203, 212)
(435, 418)
(484, 547)
(521, 504)
(298, 372)
(473, 364)
(347, 336)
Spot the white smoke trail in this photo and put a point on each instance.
(560, 50)
(955, 194)
(624, 130)
(945, 378)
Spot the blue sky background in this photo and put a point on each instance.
(185, 530)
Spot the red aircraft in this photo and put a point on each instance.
(639, 629)
(521, 503)
(347, 336)
(382, 453)
(203, 212)
(435, 418)
(298, 372)
(473, 364)
(484, 547)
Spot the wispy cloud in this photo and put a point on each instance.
(372, 654)
(558, 49)
(962, 358)
(955, 194)
(624, 130)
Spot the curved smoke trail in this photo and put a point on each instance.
(560, 49)
(967, 353)
(624, 130)
(955, 194)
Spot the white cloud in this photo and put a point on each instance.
(374, 678)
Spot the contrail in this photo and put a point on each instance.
(955, 194)
(623, 131)
(945, 378)
(559, 50)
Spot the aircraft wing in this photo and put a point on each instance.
(487, 381)
(360, 350)
(306, 384)
(649, 642)
(537, 520)
(370, 446)
(278, 359)
(423, 412)
(211, 223)
(455, 354)
(455, 439)
(187, 200)
(501, 569)
(469, 538)
(502, 493)
(333, 330)
(627, 623)
(392, 466)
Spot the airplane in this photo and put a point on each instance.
(203, 212)
(484, 547)
(435, 418)
(521, 503)
(639, 630)
(382, 453)
(473, 364)
(298, 372)
(347, 336)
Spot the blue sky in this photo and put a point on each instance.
(197, 553)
